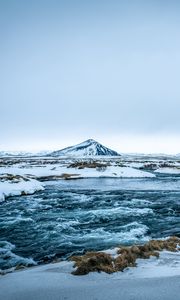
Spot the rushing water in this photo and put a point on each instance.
(74, 216)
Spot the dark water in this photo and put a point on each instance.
(74, 216)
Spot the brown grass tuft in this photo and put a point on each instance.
(86, 164)
(93, 262)
(100, 261)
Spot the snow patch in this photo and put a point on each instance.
(168, 170)
(23, 186)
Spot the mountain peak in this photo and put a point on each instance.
(91, 141)
(89, 147)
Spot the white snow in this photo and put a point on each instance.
(168, 170)
(24, 153)
(51, 170)
(156, 279)
(8, 188)
(110, 171)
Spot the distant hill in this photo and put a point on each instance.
(86, 148)
(14, 153)
(23, 153)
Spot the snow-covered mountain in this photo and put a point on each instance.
(23, 153)
(14, 153)
(87, 148)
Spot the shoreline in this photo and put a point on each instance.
(154, 278)
(111, 260)
(149, 280)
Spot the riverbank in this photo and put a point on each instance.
(156, 279)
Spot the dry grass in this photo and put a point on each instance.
(149, 166)
(88, 164)
(93, 262)
(127, 256)
(65, 176)
(12, 178)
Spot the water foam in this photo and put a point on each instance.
(8, 259)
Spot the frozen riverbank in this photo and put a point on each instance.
(16, 185)
(156, 279)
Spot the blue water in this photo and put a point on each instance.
(90, 214)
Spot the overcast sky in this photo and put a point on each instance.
(72, 70)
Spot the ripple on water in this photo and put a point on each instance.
(64, 221)
(8, 259)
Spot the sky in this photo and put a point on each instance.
(73, 70)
